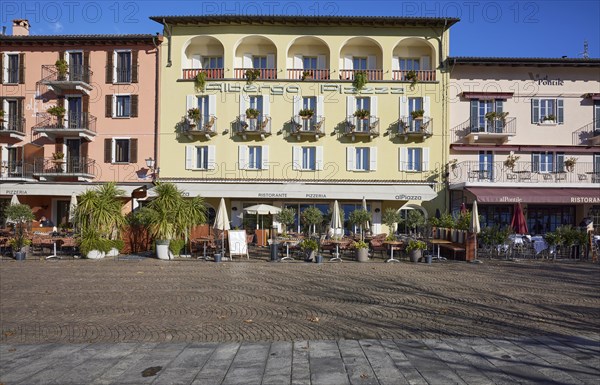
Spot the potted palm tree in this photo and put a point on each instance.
(62, 67)
(19, 214)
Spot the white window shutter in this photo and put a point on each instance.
(319, 158)
(373, 103)
(212, 105)
(348, 62)
(373, 159)
(247, 60)
(426, 106)
(196, 61)
(350, 105)
(266, 105)
(114, 107)
(320, 106)
(296, 158)
(114, 79)
(402, 158)
(191, 101)
(425, 63)
(395, 63)
(271, 60)
(189, 157)
(371, 62)
(321, 62)
(425, 159)
(212, 157)
(5, 68)
(243, 103)
(350, 158)
(298, 62)
(265, 157)
(243, 157)
(403, 106)
(297, 106)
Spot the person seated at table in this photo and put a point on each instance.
(44, 222)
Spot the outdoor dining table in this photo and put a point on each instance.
(391, 244)
(287, 248)
(204, 241)
(337, 243)
(438, 242)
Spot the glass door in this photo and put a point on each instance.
(62, 213)
(74, 104)
(362, 125)
(309, 103)
(75, 66)
(414, 104)
(486, 165)
(73, 155)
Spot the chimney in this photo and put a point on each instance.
(20, 27)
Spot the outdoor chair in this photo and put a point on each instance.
(68, 246)
(377, 246)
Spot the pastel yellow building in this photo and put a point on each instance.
(275, 115)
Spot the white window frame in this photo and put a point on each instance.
(114, 109)
(191, 157)
(201, 157)
(114, 150)
(411, 163)
(115, 56)
(554, 102)
(308, 161)
(254, 163)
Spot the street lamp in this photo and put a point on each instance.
(150, 163)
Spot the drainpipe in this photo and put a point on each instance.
(156, 41)
(167, 32)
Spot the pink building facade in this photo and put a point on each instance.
(77, 110)
(526, 130)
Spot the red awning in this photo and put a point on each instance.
(487, 95)
(535, 195)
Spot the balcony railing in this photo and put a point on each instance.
(264, 73)
(495, 130)
(422, 76)
(588, 134)
(260, 125)
(76, 76)
(15, 170)
(371, 74)
(69, 167)
(362, 127)
(73, 122)
(206, 125)
(315, 126)
(523, 172)
(409, 126)
(211, 73)
(310, 74)
(12, 125)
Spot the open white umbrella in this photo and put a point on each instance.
(222, 223)
(364, 207)
(262, 209)
(72, 207)
(336, 220)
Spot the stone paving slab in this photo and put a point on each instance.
(374, 362)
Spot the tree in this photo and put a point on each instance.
(414, 220)
(390, 217)
(19, 215)
(312, 216)
(360, 217)
(286, 216)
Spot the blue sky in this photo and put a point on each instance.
(487, 28)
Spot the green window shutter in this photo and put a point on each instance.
(535, 111)
(107, 150)
(134, 106)
(474, 113)
(21, 68)
(560, 111)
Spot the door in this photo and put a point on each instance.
(73, 155)
(75, 66)
(75, 112)
(309, 103)
(62, 212)
(362, 125)
(204, 111)
(486, 165)
(485, 106)
(256, 103)
(415, 104)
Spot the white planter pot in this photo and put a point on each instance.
(95, 254)
(362, 255)
(162, 250)
(461, 237)
(113, 252)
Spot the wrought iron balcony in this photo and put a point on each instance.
(588, 135)
(211, 73)
(420, 128)
(259, 126)
(71, 167)
(205, 126)
(308, 127)
(494, 131)
(15, 171)
(81, 124)
(76, 78)
(362, 127)
(12, 126)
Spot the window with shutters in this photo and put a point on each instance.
(12, 68)
(254, 157)
(480, 118)
(122, 106)
(121, 150)
(547, 111)
(362, 159)
(309, 158)
(123, 66)
(414, 161)
(201, 157)
(544, 162)
(12, 118)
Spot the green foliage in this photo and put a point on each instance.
(19, 215)
(412, 77)
(286, 217)
(56, 111)
(176, 245)
(447, 221)
(362, 113)
(170, 215)
(391, 216)
(62, 67)
(417, 114)
(361, 245)
(90, 239)
(359, 217)
(571, 236)
(252, 75)
(306, 112)
(307, 75)
(312, 216)
(193, 115)
(309, 244)
(252, 113)
(463, 222)
(414, 244)
(58, 155)
(200, 81)
(493, 235)
(553, 238)
(360, 80)
(434, 222)
(415, 219)
(101, 210)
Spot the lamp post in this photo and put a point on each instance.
(150, 163)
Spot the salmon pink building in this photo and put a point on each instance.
(76, 110)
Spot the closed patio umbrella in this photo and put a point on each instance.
(518, 222)
(222, 223)
(475, 227)
(14, 200)
(72, 207)
(364, 207)
(336, 220)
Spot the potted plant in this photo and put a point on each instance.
(62, 67)
(362, 113)
(176, 245)
(92, 245)
(412, 77)
(307, 75)
(311, 217)
(550, 118)
(360, 218)
(251, 75)
(200, 81)
(57, 111)
(193, 115)
(309, 247)
(252, 113)
(306, 113)
(415, 249)
(414, 220)
(570, 163)
(417, 114)
(511, 161)
(2, 116)
(287, 216)
(391, 218)
(362, 251)
(171, 216)
(58, 157)
(360, 80)
(19, 214)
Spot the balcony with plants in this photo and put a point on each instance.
(198, 124)
(496, 128)
(62, 77)
(12, 125)
(202, 56)
(307, 124)
(361, 125)
(412, 61)
(57, 167)
(253, 123)
(309, 58)
(415, 126)
(56, 122)
(255, 59)
(361, 55)
(588, 135)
